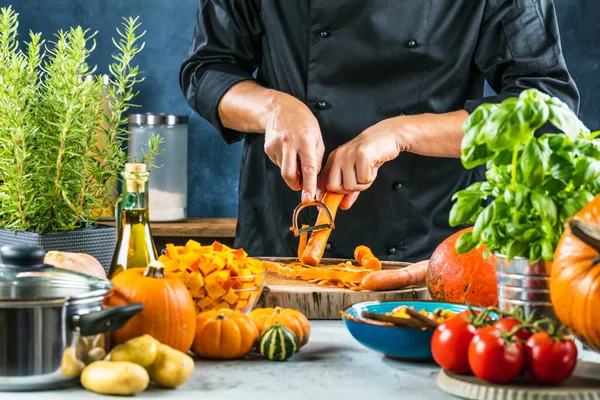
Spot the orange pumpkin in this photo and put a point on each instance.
(462, 278)
(224, 334)
(575, 275)
(169, 313)
(264, 318)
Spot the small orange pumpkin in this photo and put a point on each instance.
(169, 313)
(224, 334)
(264, 318)
(575, 275)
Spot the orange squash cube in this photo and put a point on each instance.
(230, 297)
(206, 267)
(214, 290)
(221, 305)
(172, 252)
(205, 302)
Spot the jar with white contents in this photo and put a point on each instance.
(167, 188)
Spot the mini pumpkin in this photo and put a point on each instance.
(169, 313)
(575, 275)
(224, 334)
(278, 343)
(290, 318)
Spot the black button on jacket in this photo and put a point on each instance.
(378, 59)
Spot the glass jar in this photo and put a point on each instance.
(168, 186)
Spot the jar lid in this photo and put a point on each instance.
(155, 119)
(177, 119)
(137, 119)
(26, 280)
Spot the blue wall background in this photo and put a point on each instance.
(213, 169)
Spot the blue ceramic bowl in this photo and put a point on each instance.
(393, 341)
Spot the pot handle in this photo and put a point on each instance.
(107, 320)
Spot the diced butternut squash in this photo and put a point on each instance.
(214, 290)
(204, 303)
(172, 252)
(230, 297)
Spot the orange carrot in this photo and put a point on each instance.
(302, 243)
(313, 252)
(365, 258)
(395, 279)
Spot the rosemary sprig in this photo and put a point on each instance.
(60, 153)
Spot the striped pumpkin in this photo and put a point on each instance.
(278, 343)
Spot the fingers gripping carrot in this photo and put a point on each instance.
(313, 252)
(396, 278)
(365, 258)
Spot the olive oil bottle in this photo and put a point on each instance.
(135, 246)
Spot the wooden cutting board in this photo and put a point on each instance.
(322, 302)
(583, 384)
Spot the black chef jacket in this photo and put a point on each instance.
(355, 63)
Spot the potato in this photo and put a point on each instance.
(171, 367)
(141, 350)
(70, 365)
(96, 354)
(115, 377)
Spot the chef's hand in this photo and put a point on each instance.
(352, 167)
(293, 142)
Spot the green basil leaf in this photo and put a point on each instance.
(553, 185)
(547, 250)
(536, 114)
(535, 252)
(516, 197)
(588, 148)
(516, 249)
(484, 219)
(475, 156)
(561, 168)
(503, 158)
(463, 210)
(553, 141)
(532, 164)
(465, 243)
(586, 170)
(562, 117)
(489, 236)
(576, 201)
(545, 206)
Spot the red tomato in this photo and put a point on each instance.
(492, 359)
(548, 360)
(508, 324)
(450, 344)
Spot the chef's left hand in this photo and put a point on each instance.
(352, 167)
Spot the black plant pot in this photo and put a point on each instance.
(98, 241)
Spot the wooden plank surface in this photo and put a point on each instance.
(193, 228)
(323, 302)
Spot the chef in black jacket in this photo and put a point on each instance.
(377, 91)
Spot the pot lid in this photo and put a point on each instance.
(25, 277)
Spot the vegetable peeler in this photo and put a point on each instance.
(316, 228)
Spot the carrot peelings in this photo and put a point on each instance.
(313, 252)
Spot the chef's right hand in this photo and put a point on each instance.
(293, 142)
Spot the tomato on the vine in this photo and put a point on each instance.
(492, 358)
(507, 324)
(450, 344)
(549, 360)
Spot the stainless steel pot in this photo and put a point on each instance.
(52, 321)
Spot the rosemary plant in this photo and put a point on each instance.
(54, 173)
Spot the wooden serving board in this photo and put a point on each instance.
(583, 384)
(322, 302)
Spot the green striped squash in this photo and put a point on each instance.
(278, 343)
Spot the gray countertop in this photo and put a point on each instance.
(331, 366)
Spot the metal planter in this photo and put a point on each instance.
(98, 241)
(521, 283)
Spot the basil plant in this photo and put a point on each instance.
(536, 182)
